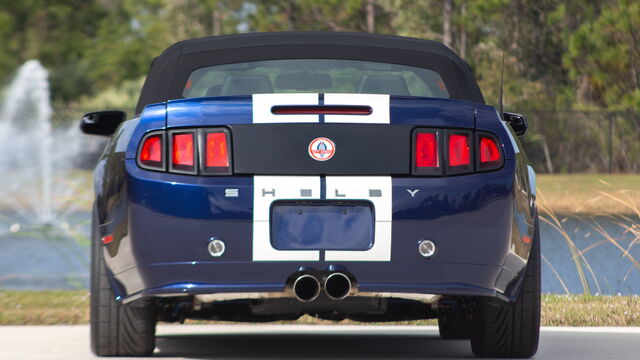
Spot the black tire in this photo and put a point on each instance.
(117, 329)
(454, 325)
(502, 330)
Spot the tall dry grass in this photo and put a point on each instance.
(628, 220)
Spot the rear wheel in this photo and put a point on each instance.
(511, 330)
(117, 329)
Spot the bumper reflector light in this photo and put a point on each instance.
(426, 248)
(216, 247)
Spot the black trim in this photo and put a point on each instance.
(360, 149)
(163, 153)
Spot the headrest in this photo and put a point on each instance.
(246, 85)
(383, 84)
(215, 90)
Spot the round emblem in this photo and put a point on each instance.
(321, 149)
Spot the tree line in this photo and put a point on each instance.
(573, 54)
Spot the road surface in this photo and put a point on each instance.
(310, 341)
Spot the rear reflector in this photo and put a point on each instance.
(489, 151)
(321, 109)
(459, 152)
(426, 150)
(217, 151)
(107, 239)
(183, 151)
(151, 152)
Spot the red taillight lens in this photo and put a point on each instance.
(426, 150)
(445, 152)
(459, 151)
(183, 152)
(216, 150)
(187, 151)
(151, 152)
(489, 151)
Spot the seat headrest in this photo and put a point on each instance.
(215, 90)
(383, 84)
(246, 85)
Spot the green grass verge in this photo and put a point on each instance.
(44, 307)
(72, 308)
(590, 194)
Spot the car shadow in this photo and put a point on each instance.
(311, 346)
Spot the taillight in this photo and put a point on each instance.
(459, 151)
(438, 152)
(488, 150)
(217, 152)
(459, 157)
(490, 155)
(183, 152)
(426, 153)
(189, 151)
(150, 155)
(426, 150)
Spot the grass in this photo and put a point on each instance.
(585, 194)
(55, 307)
(72, 308)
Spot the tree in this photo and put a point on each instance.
(603, 55)
(328, 15)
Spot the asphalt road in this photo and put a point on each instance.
(308, 341)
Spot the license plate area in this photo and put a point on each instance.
(322, 224)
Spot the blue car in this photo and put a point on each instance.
(340, 175)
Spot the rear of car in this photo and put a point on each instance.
(353, 176)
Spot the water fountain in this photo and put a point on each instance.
(25, 125)
(39, 208)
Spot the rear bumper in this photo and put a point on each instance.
(169, 220)
(436, 279)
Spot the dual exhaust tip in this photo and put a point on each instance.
(337, 286)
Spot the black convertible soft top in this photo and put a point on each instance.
(170, 71)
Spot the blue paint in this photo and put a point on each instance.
(152, 118)
(448, 113)
(224, 110)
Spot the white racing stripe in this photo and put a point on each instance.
(262, 104)
(266, 189)
(379, 104)
(377, 189)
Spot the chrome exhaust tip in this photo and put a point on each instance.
(337, 286)
(306, 288)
